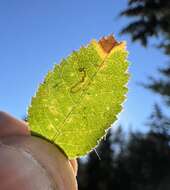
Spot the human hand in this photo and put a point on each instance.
(31, 163)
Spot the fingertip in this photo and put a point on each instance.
(74, 166)
(10, 126)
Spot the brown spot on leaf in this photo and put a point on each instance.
(107, 43)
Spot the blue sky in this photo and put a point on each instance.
(35, 34)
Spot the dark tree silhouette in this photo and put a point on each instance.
(146, 161)
(97, 172)
(159, 122)
(99, 167)
(143, 164)
(151, 18)
(161, 86)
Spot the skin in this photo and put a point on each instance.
(31, 163)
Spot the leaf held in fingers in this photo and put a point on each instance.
(81, 97)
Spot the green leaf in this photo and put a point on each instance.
(80, 99)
